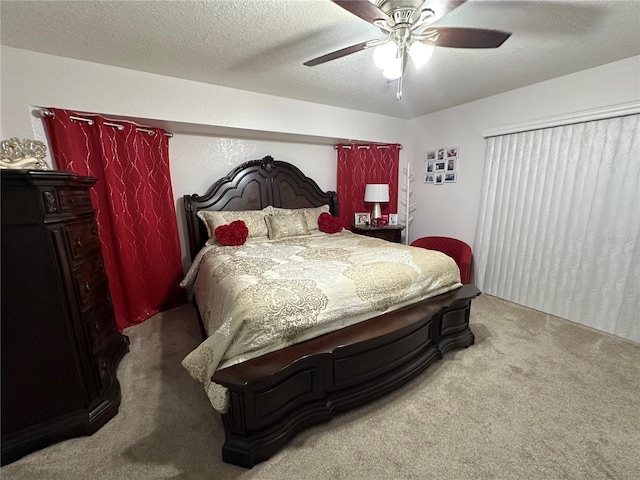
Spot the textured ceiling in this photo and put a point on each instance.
(260, 45)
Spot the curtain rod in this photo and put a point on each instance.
(365, 146)
(49, 113)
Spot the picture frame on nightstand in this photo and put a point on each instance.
(362, 219)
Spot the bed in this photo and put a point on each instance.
(271, 394)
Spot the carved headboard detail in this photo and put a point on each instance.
(253, 186)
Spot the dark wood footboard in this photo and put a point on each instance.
(277, 395)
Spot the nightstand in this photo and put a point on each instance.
(391, 233)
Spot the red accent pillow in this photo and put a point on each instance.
(330, 224)
(233, 234)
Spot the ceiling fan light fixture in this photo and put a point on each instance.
(394, 69)
(420, 54)
(384, 55)
(406, 24)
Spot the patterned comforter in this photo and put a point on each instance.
(268, 294)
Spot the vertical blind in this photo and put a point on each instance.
(559, 222)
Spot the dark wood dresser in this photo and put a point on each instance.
(60, 344)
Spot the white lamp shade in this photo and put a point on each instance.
(385, 54)
(376, 192)
(420, 53)
(394, 69)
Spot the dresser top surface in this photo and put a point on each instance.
(38, 177)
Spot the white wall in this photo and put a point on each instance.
(34, 79)
(31, 78)
(305, 132)
(452, 209)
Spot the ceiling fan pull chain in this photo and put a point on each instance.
(401, 53)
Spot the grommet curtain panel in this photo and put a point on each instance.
(359, 165)
(559, 222)
(134, 207)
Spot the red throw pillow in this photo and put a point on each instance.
(330, 224)
(233, 234)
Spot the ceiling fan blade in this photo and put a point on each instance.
(365, 10)
(337, 54)
(439, 7)
(470, 37)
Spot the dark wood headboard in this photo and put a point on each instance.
(252, 186)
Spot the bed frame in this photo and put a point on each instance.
(274, 396)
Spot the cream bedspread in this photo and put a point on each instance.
(268, 294)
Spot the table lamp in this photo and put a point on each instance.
(376, 193)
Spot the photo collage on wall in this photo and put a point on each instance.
(442, 166)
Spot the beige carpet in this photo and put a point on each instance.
(537, 397)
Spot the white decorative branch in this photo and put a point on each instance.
(406, 207)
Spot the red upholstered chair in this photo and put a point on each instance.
(456, 249)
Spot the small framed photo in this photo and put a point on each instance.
(362, 219)
(452, 152)
(451, 164)
(428, 178)
(431, 166)
(449, 177)
(431, 155)
(393, 219)
(441, 153)
(439, 179)
(440, 165)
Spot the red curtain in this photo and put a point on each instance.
(362, 164)
(133, 200)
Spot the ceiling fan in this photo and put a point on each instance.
(405, 24)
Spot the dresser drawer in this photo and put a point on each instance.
(390, 233)
(101, 330)
(98, 299)
(82, 238)
(74, 201)
(92, 285)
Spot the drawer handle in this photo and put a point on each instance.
(87, 287)
(79, 242)
(94, 230)
(109, 297)
(72, 200)
(97, 325)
